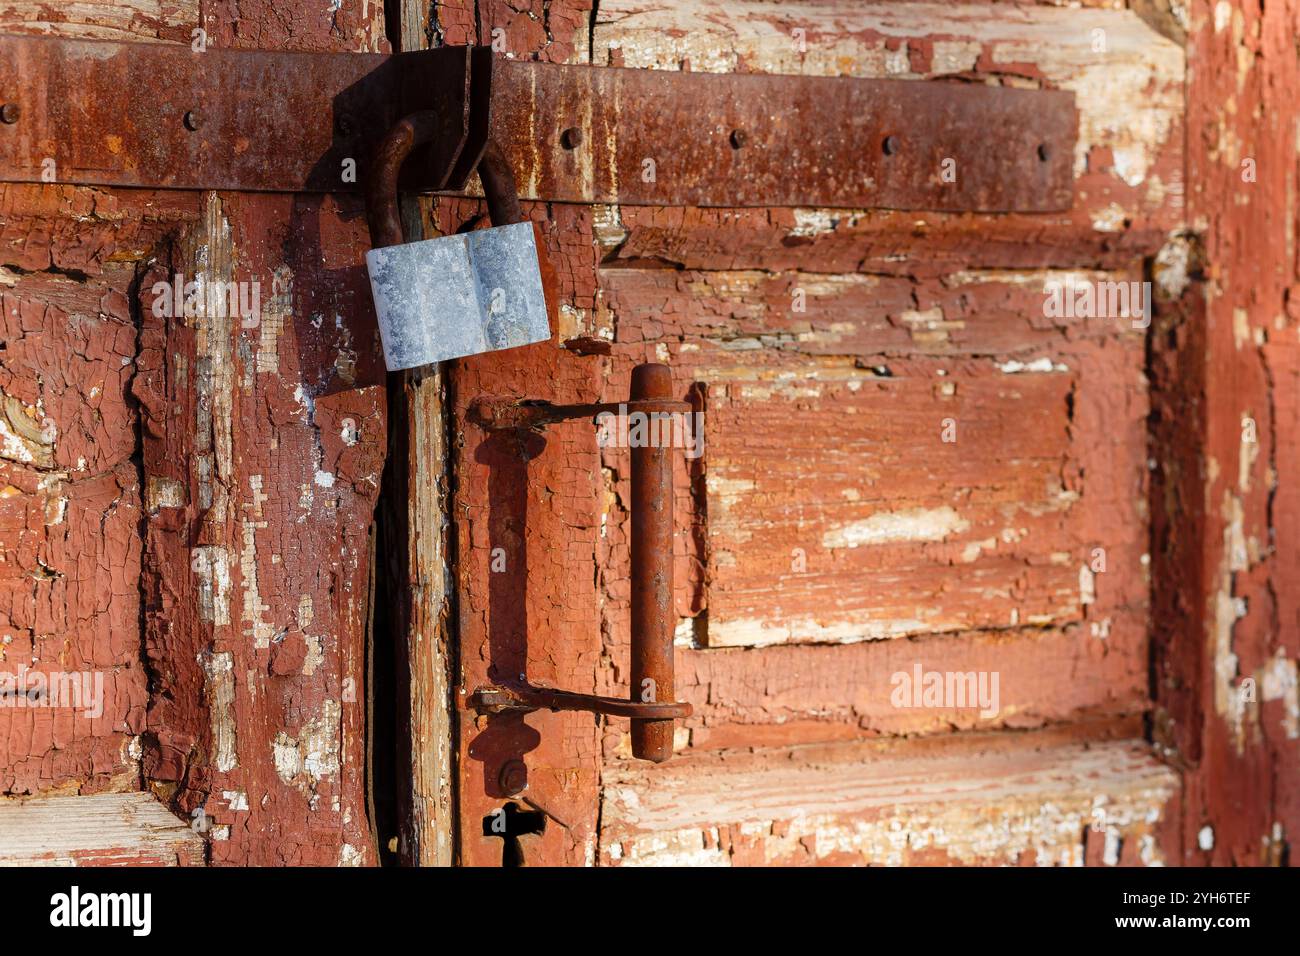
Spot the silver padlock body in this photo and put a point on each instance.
(461, 295)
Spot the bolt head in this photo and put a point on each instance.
(738, 138)
(513, 777)
(9, 113)
(192, 120)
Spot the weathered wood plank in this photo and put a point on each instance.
(847, 505)
(271, 431)
(103, 19)
(745, 698)
(1010, 804)
(1225, 633)
(977, 311)
(109, 829)
(418, 513)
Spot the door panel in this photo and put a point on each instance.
(909, 462)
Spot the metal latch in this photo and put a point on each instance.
(650, 704)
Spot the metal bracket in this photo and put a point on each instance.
(159, 115)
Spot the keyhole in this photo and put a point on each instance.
(510, 822)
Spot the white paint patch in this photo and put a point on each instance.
(1110, 218)
(814, 222)
(324, 479)
(1279, 681)
(763, 632)
(1037, 365)
(212, 565)
(255, 625)
(301, 396)
(915, 524)
(1087, 585)
(161, 492)
(1110, 852)
(349, 855)
(1131, 164)
(314, 752)
(1205, 838)
(315, 655)
(219, 669)
(1222, 15)
(1172, 266)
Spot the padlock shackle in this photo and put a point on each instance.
(499, 186)
(382, 211)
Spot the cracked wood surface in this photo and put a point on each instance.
(71, 492)
(191, 495)
(1227, 631)
(107, 829)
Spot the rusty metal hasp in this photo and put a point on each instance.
(262, 120)
(650, 704)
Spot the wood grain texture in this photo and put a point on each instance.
(1063, 805)
(109, 829)
(418, 511)
(135, 20)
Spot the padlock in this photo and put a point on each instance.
(446, 298)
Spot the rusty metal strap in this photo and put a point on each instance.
(502, 698)
(164, 116)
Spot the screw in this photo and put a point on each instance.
(1044, 152)
(513, 777)
(738, 138)
(890, 145)
(10, 112)
(192, 120)
(571, 138)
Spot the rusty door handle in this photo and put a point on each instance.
(650, 703)
(652, 572)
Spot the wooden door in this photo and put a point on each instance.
(912, 466)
